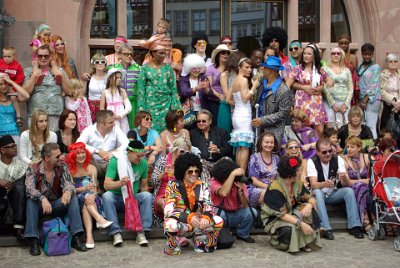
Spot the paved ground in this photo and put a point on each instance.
(344, 251)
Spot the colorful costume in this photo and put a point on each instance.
(82, 110)
(157, 93)
(182, 203)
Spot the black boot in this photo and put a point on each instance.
(35, 248)
(77, 244)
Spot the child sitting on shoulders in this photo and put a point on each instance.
(79, 104)
(10, 66)
(41, 37)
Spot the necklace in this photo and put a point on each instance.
(265, 162)
(366, 68)
(354, 131)
(175, 135)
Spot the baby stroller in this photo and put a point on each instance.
(385, 181)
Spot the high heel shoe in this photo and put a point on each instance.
(103, 226)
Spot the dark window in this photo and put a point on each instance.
(309, 20)
(339, 21)
(139, 18)
(104, 23)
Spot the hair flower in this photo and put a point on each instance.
(293, 162)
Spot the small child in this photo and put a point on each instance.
(332, 135)
(41, 37)
(78, 103)
(10, 66)
(116, 99)
(161, 37)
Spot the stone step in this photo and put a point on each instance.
(338, 223)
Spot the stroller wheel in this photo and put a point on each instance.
(371, 234)
(396, 244)
(381, 233)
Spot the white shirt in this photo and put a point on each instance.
(26, 149)
(312, 171)
(96, 87)
(114, 140)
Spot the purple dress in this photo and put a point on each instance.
(258, 169)
(304, 135)
(360, 189)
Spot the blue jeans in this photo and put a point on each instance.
(34, 210)
(241, 219)
(114, 202)
(341, 195)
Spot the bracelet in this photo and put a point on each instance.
(298, 224)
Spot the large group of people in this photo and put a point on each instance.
(205, 142)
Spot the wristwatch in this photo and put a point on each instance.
(97, 151)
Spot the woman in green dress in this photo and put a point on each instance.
(157, 88)
(289, 211)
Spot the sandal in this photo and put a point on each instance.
(20, 122)
(306, 249)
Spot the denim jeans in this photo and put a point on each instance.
(113, 203)
(241, 219)
(341, 195)
(34, 210)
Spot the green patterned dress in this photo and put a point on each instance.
(157, 93)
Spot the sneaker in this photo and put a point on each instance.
(117, 240)
(141, 239)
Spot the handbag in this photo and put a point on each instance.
(257, 222)
(56, 238)
(225, 237)
(132, 214)
(393, 125)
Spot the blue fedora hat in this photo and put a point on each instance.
(273, 63)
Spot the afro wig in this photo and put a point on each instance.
(223, 168)
(275, 33)
(183, 163)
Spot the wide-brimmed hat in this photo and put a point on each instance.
(273, 63)
(220, 48)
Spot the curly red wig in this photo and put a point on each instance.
(73, 149)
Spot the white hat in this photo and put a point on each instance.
(114, 70)
(220, 48)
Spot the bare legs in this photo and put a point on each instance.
(242, 157)
(89, 212)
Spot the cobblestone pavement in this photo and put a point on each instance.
(344, 251)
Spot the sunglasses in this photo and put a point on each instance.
(293, 48)
(225, 52)
(127, 54)
(326, 152)
(201, 43)
(293, 147)
(60, 44)
(335, 53)
(274, 40)
(181, 151)
(392, 61)
(10, 146)
(100, 62)
(43, 56)
(193, 171)
(227, 43)
(148, 119)
(201, 121)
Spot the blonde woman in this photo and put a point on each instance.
(338, 97)
(32, 140)
(97, 83)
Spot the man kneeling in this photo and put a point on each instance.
(125, 167)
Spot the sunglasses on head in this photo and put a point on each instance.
(100, 62)
(293, 147)
(326, 152)
(60, 44)
(293, 48)
(201, 121)
(43, 56)
(335, 53)
(225, 52)
(127, 54)
(193, 171)
(201, 43)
